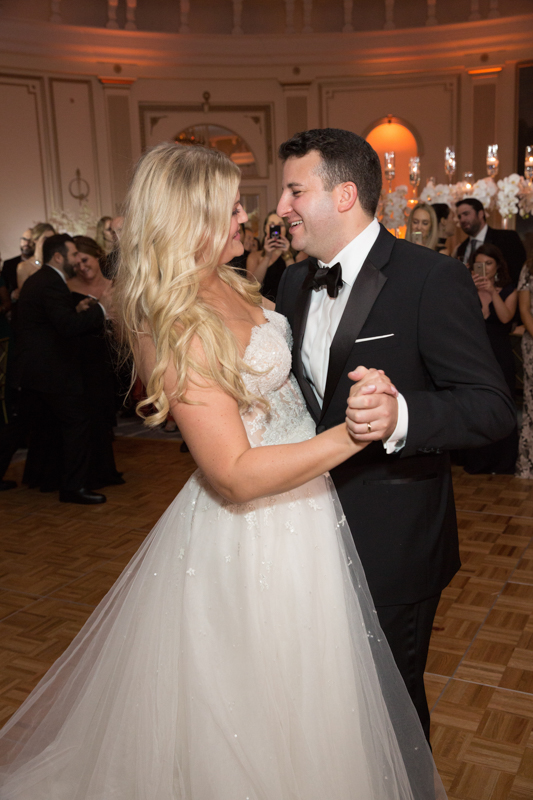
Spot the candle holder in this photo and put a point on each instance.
(468, 179)
(493, 162)
(414, 174)
(449, 163)
(390, 168)
(528, 164)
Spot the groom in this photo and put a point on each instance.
(384, 303)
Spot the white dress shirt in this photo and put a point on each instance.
(479, 239)
(325, 314)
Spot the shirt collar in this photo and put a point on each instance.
(58, 271)
(480, 235)
(354, 254)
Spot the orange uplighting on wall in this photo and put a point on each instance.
(393, 136)
(485, 71)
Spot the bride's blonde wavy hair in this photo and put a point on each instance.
(178, 211)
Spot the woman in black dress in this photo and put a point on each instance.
(268, 264)
(98, 369)
(498, 298)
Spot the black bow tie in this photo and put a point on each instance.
(330, 277)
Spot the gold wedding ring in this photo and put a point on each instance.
(369, 427)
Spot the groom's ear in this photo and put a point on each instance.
(346, 196)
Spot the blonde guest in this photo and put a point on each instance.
(422, 227)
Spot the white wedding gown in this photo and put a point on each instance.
(238, 656)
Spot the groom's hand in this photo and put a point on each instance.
(373, 403)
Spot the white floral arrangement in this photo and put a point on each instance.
(395, 208)
(81, 224)
(511, 195)
(508, 191)
(525, 198)
(441, 193)
(485, 191)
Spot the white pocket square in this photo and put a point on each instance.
(371, 338)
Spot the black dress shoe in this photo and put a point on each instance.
(82, 497)
(5, 485)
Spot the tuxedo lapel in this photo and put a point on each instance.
(301, 311)
(365, 291)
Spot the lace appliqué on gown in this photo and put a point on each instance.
(269, 352)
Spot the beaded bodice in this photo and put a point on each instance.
(269, 354)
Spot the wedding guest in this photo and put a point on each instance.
(524, 465)
(104, 235)
(39, 233)
(498, 299)
(49, 366)
(9, 270)
(422, 226)
(250, 242)
(110, 264)
(268, 264)
(446, 227)
(473, 221)
(97, 365)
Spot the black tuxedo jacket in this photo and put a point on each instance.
(510, 244)
(47, 352)
(9, 272)
(400, 507)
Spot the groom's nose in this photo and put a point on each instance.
(284, 207)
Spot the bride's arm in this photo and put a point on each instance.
(216, 437)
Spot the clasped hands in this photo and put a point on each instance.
(372, 412)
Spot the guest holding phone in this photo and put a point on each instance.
(422, 226)
(498, 298)
(268, 264)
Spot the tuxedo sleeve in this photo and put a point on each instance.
(280, 296)
(63, 316)
(468, 404)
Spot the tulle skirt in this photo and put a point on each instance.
(238, 657)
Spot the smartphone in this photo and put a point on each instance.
(275, 231)
(480, 269)
(417, 237)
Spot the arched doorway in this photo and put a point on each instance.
(226, 141)
(391, 134)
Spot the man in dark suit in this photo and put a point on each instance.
(413, 313)
(48, 365)
(9, 270)
(472, 219)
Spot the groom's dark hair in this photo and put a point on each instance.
(345, 157)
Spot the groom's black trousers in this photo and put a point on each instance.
(408, 631)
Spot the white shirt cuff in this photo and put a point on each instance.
(396, 440)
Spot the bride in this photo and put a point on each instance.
(238, 657)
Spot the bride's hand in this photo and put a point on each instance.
(372, 411)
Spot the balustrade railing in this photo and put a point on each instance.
(299, 15)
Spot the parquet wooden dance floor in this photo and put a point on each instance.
(58, 560)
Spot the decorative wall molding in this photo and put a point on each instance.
(150, 113)
(373, 52)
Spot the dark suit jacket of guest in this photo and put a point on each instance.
(9, 272)
(47, 353)
(400, 507)
(510, 244)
